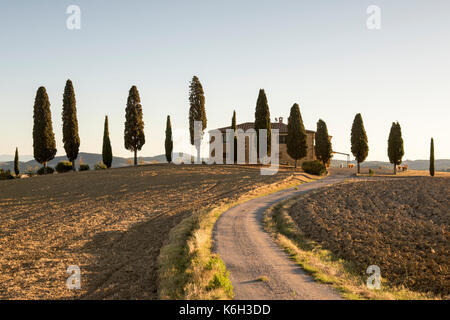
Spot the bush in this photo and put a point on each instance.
(5, 175)
(50, 170)
(371, 172)
(84, 167)
(221, 278)
(64, 166)
(100, 166)
(314, 167)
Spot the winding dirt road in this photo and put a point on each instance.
(250, 253)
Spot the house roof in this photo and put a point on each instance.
(282, 127)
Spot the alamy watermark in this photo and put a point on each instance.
(374, 280)
(73, 22)
(74, 280)
(373, 21)
(220, 147)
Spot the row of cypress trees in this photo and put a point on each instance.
(44, 145)
(360, 147)
(297, 143)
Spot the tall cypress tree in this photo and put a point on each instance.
(297, 146)
(71, 139)
(432, 170)
(395, 145)
(322, 146)
(168, 143)
(16, 162)
(197, 110)
(106, 148)
(360, 146)
(44, 145)
(234, 128)
(262, 119)
(134, 124)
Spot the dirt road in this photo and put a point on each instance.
(249, 252)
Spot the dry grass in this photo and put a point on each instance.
(186, 266)
(408, 173)
(111, 223)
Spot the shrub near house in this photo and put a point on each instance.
(64, 166)
(314, 167)
(100, 166)
(41, 171)
(5, 175)
(84, 167)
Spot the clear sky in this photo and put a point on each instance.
(319, 54)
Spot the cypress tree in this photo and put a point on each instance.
(234, 127)
(432, 170)
(197, 110)
(16, 162)
(168, 144)
(71, 139)
(322, 146)
(106, 148)
(262, 119)
(297, 146)
(395, 145)
(44, 145)
(134, 124)
(359, 142)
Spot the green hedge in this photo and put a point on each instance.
(100, 166)
(64, 166)
(50, 170)
(5, 175)
(84, 167)
(314, 167)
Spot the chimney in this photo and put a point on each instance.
(280, 119)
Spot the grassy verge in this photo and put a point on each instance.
(187, 269)
(322, 264)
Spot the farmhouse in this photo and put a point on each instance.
(284, 158)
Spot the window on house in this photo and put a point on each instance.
(282, 139)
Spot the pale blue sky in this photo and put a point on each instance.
(319, 54)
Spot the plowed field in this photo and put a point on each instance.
(110, 223)
(401, 224)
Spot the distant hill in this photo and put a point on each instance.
(92, 158)
(89, 158)
(10, 157)
(441, 164)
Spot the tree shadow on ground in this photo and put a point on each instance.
(125, 263)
